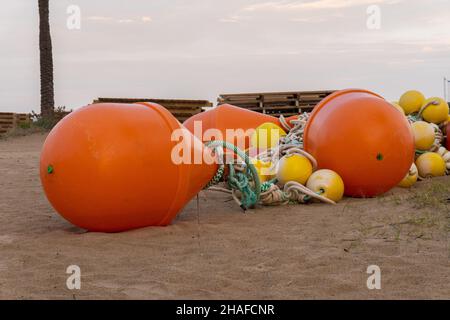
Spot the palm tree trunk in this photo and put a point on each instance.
(46, 61)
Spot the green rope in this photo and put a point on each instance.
(420, 152)
(266, 185)
(414, 117)
(240, 180)
(217, 177)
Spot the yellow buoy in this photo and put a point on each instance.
(265, 170)
(267, 136)
(431, 164)
(424, 135)
(411, 177)
(294, 168)
(412, 101)
(435, 110)
(327, 183)
(398, 107)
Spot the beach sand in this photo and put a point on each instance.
(215, 251)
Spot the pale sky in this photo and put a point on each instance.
(197, 49)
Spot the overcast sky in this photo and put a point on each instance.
(197, 49)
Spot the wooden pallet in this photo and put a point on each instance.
(276, 103)
(182, 109)
(10, 120)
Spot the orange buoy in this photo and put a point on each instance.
(360, 136)
(109, 167)
(227, 117)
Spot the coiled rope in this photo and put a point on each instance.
(293, 192)
(291, 144)
(243, 179)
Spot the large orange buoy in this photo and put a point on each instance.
(363, 138)
(109, 167)
(227, 117)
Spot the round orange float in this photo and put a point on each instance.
(360, 136)
(109, 167)
(226, 117)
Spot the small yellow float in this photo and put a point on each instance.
(431, 164)
(411, 101)
(294, 167)
(435, 110)
(327, 183)
(424, 135)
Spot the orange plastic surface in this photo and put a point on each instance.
(111, 168)
(225, 117)
(363, 138)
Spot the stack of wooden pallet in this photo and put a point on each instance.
(181, 109)
(10, 120)
(276, 103)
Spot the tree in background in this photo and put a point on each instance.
(46, 61)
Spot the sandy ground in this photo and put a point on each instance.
(214, 251)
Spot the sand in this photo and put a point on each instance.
(215, 251)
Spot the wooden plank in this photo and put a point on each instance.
(297, 100)
(172, 110)
(203, 103)
(181, 107)
(184, 114)
(241, 96)
(274, 108)
(275, 99)
(243, 99)
(23, 118)
(311, 98)
(327, 92)
(9, 120)
(23, 115)
(241, 102)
